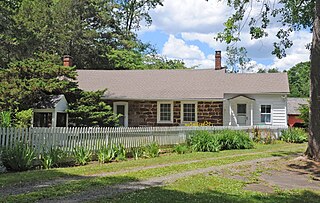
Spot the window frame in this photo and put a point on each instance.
(159, 111)
(195, 112)
(268, 123)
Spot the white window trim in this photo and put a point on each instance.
(158, 111)
(196, 111)
(125, 111)
(271, 114)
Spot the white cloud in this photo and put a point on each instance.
(191, 15)
(177, 48)
(192, 55)
(198, 20)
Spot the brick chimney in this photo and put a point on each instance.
(67, 60)
(218, 60)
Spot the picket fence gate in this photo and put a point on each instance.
(94, 137)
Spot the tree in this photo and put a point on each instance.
(299, 80)
(88, 30)
(26, 82)
(294, 16)
(90, 110)
(271, 70)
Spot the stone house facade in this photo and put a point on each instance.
(191, 96)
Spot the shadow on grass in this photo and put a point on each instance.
(159, 195)
(59, 188)
(285, 153)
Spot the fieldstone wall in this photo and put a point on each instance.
(144, 113)
(211, 112)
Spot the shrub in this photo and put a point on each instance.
(19, 157)
(82, 155)
(55, 157)
(120, 153)
(106, 154)
(294, 135)
(151, 150)
(181, 149)
(5, 119)
(23, 118)
(203, 141)
(234, 139)
(137, 152)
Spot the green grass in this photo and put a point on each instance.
(68, 188)
(43, 175)
(211, 188)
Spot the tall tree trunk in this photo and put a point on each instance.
(313, 150)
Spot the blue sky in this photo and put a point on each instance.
(185, 30)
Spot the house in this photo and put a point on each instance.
(180, 97)
(51, 112)
(294, 113)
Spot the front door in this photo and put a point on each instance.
(121, 108)
(242, 114)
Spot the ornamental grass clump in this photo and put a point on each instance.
(204, 141)
(294, 135)
(82, 155)
(181, 149)
(234, 139)
(106, 154)
(19, 157)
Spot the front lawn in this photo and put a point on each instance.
(62, 182)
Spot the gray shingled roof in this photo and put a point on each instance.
(293, 105)
(48, 101)
(179, 84)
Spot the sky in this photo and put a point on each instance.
(185, 30)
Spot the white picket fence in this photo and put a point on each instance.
(95, 137)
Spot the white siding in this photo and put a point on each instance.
(278, 109)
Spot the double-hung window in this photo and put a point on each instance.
(165, 112)
(266, 114)
(189, 112)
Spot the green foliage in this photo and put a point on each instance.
(271, 70)
(294, 135)
(304, 113)
(181, 148)
(5, 119)
(106, 154)
(137, 152)
(299, 80)
(29, 82)
(54, 157)
(120, 152)
(94, 29)
(205, 141)
(151, 150)
(234, 139)
(23, 118)
(90, 110)
(82, 155)
(19, 157)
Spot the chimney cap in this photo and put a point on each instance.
(67, 60)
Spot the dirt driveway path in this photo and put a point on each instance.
(110, 191)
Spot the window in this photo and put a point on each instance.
(266, 113)
(42, 119)
(165, 112)
(189, 113)
(242, 109)
(61, 119)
